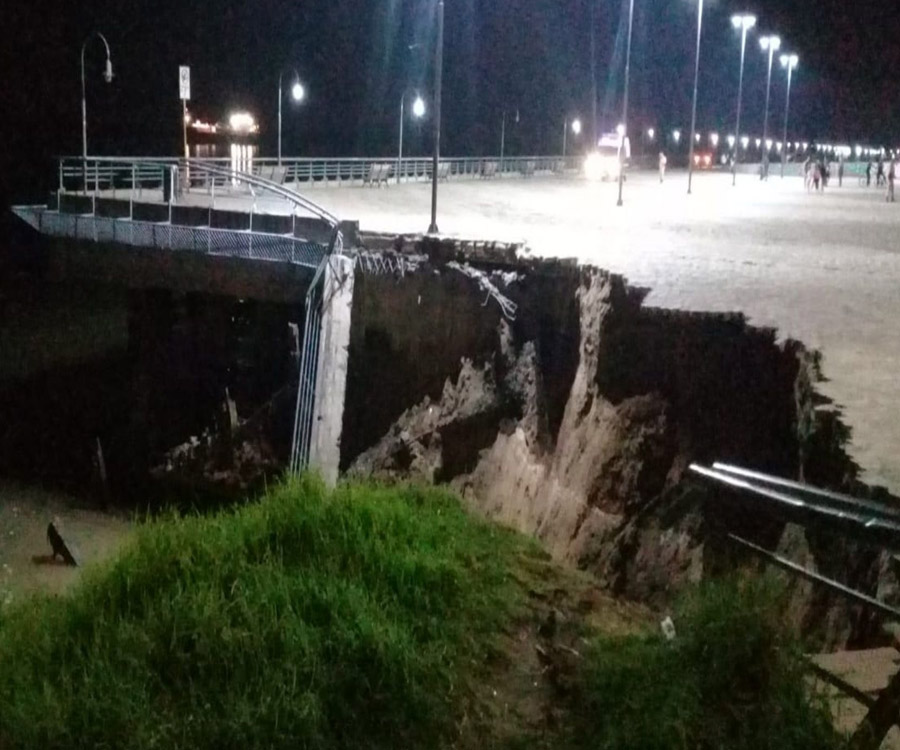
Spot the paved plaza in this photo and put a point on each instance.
(823, 268)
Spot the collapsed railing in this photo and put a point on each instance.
(869, 522)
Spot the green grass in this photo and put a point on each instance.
(732, 679)
(376, 617)
(358, 618)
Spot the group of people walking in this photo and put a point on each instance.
(817, 173)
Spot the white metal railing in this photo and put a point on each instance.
(235, 243)
(141, 173)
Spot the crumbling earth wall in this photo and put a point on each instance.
(576, 422)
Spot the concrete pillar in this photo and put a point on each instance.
(331, 378)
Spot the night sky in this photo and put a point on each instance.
(354, 58)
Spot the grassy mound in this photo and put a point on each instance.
(374, 617)
(732, 679)
(311, 619)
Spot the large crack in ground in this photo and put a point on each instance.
(577, 421)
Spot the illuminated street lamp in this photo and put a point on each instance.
(745, 142)
(676, 136)
(789, 63)
(651, 133)
(714, 139)
(418, 110)
(743, 23)
(694, 135)
(298, 93)
(576, 130)
(770, 44)
(107, 76)
(503, 136)
(731, 141)
(625, 102)
(438, 95)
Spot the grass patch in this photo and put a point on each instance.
(733, 678)
(357, 618)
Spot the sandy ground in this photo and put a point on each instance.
(24, 550)
(868, 671)
(821, 268)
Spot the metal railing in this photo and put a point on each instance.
(142, 173)
(872, 523)
(108, 177)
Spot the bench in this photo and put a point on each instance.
(273, 173)
(489, 170)
(443, 170)
(528, 168)
(378, 174)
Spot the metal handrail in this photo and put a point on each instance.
(353, 169)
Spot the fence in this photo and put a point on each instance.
(871, 523)
(150, 173)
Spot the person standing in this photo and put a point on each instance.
(841, 170)
(891, 176)
(662, 167)
(869, 174)
(879, 178)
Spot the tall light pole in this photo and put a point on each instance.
(503, 136)
(696, 82)
(743, 23)
(438, 87)
(789, 62)
(624, 134)
(594, 134)
(107, 76)
(770, 44)
(576, 131)
(297, 94)
(418, 111)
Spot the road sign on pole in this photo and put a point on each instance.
(184, 80)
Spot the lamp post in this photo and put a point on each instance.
(694, 108)
(438, 86)
(788, 62)
(743, 23)
(418, 111)
(297, 94)
(503, 136)
(770, 44)
(624, 134)
(576, 130)
(107, 76)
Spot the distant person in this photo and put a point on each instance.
(764, 167)
(841, 171)
(663, 161)
(869, 174)
(891, 176)
(879, 178)
(816, 175)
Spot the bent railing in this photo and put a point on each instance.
(872, 523)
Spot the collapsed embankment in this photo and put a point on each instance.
(576, 421)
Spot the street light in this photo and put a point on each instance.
(107, 76)
(694, 106)
(770, 44)
(743, 23)
(714, 139)
(651, 133)
(418, 111)
(503, 137)
(298, 93)
(731, 141)
(788, 62)
(625, 102)
(438, 90)
(676, 136)
(576, 130)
